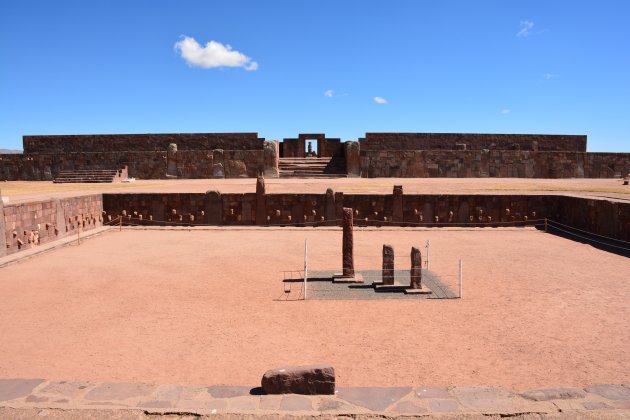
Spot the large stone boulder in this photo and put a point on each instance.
(353, 159)
(235, 169)
(271, 158)
(308, 380)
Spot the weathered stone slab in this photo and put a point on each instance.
(309, 380)
(373, 398)
(444, 406)
(108, 392)
(11, 389)
(295, 403)
(221, 391)
(485, 398)
(432, 392)
(244, 403)
(409, 407)
(546, 394)
(610, 391)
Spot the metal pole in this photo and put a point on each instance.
(78, 234)
(305, 265)
(428, 246)
(120, 220)
(460, 278)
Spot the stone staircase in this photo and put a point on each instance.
(334, 167)
(91, 176)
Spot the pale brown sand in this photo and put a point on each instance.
(179, 306)
(22, 191)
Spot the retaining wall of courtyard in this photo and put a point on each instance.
(491, 163)
(27, 225)
(602, 217)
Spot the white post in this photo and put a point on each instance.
(460, 278)
(305, 265)
(428, 246)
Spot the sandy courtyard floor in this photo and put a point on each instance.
(23, 191)
(180, 306)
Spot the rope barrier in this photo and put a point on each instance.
(539, 223)
(358, 223)
(587, 232)
(591, 239)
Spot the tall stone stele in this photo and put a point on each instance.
(261, 201)
(416, 269)
(388, 265)
(347, 257)
(347, 247)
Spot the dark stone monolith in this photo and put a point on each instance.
(398, 204)
(416, 269)
(388, 265)
(213, 208)
(347, 255)
(261, 201)
(309, 380)
(330, 208)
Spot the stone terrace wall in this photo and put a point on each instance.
(451, 141)
(141, 165)
(493, 163)
(141, 142)
(28, 225)
(602, 217)
(379, 209)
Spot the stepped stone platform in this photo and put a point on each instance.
(312, 167)
(34, 398)
(91, 176)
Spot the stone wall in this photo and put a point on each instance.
(28, 225)
(141, 142)
(602, 217)
(459, 141)
(141, 165)
(492, 163)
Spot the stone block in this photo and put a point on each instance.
(308, 380)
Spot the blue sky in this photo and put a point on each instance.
(339, 67)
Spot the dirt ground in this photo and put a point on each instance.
(200, 307)
(21, 191)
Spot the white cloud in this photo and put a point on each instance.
(329, 93)
(505, 111)
(213, 55)
(380, 100)
(526, 27)
(549, 76)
